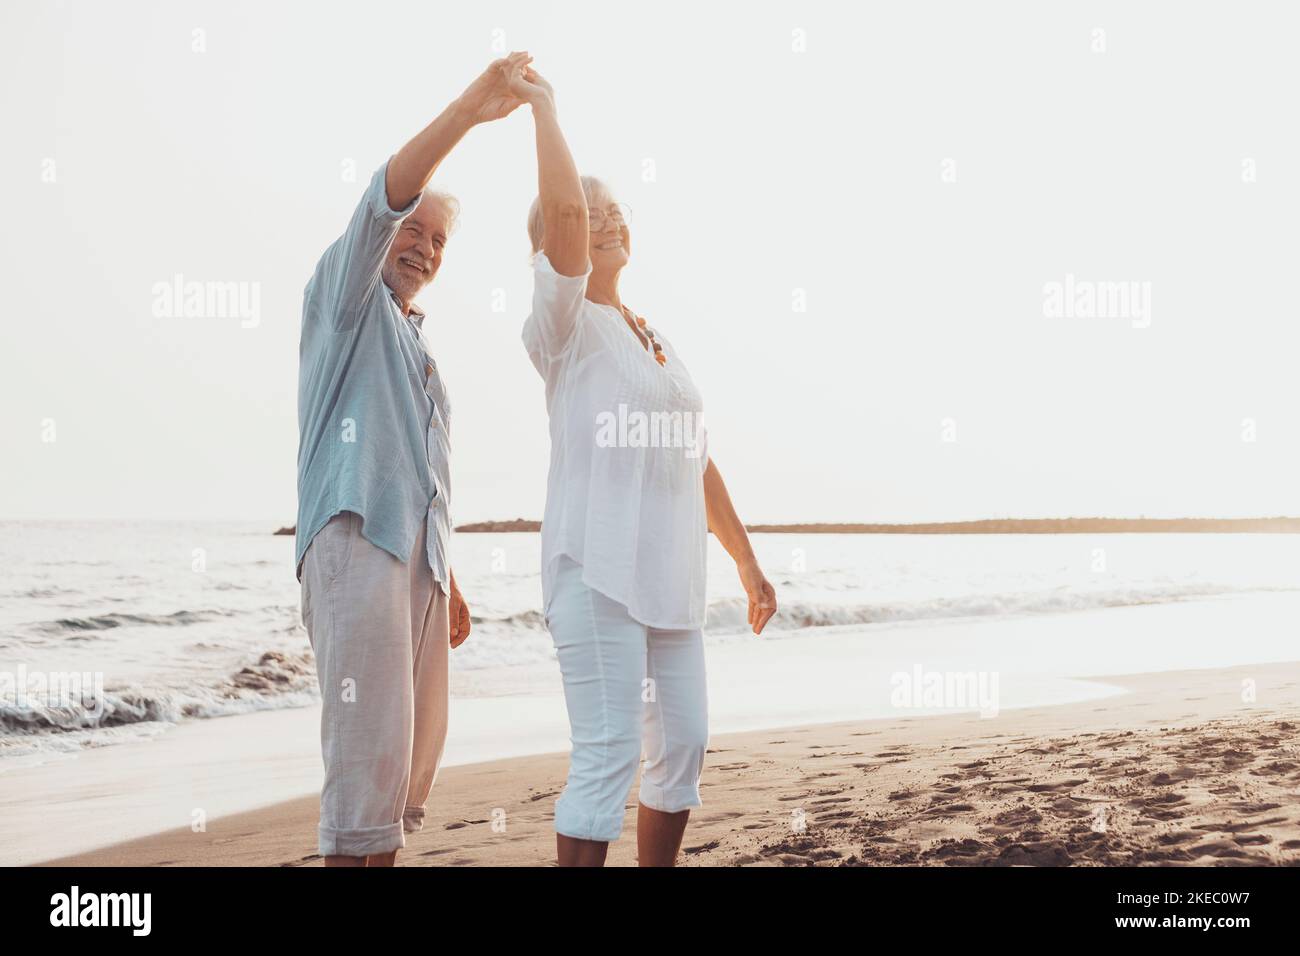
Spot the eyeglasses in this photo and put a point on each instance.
(621, 215)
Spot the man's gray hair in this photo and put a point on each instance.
(447, 201)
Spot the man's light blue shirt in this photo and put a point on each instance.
(373, 414)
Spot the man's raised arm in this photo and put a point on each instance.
(350, 269)
(487, 98)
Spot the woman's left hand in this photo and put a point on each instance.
(762, 596)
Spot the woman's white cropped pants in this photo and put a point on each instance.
(628, 688)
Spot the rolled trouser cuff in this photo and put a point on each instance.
(669, 801)
(584, 825)
(363, 841)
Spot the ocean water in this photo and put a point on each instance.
(176, 622)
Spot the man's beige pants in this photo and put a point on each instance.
(379, 629)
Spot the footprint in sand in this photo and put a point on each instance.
(1070, 808)
(961, 851)
(1167, 799)
(1160, 807)
(814, 777)
(1163, 779)
(722, 815)
(1274, 769)
(1011, 820)
(1236, 758)
(1058, 785)
(711, 845)
(1033, 854)
(1218, 849)
(1002, 789)
(1238, 827)
(944, 809)
(1252, 839)
(835, 815)
(1246, 807)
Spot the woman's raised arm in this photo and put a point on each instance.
(563, 204)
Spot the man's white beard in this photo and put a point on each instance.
(405, 286)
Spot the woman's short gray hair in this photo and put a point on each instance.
(592, 188)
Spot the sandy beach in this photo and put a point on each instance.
(1189, 767)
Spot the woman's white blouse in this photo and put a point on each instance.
(625, 492)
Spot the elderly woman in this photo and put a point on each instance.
(628, 512)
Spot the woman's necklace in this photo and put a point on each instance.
(636, 322)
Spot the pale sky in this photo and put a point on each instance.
(773, 155)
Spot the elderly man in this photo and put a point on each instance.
(379, 600)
